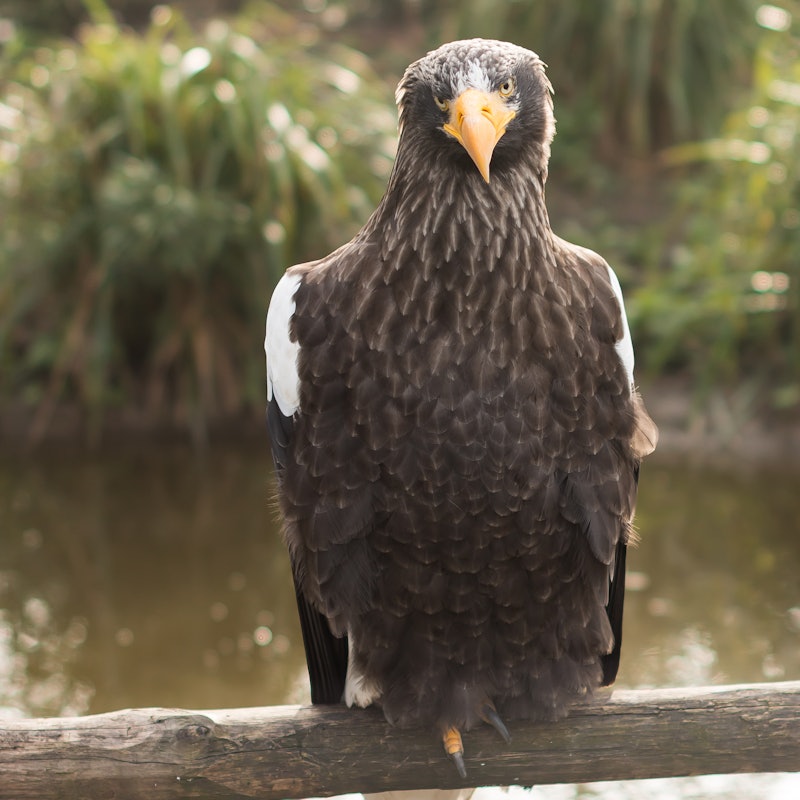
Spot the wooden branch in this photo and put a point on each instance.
(298, 751)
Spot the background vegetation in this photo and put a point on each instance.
(158, 174)
(724, 302)
(155, 185)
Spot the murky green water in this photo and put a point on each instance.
(157, 578)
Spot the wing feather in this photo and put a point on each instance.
(616, 602)
(614, 609)
(326, 654)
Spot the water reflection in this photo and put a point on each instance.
(33, 656)
(721, 552)
(154, 578)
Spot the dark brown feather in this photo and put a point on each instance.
(460, 482)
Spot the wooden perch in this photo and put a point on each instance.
(300, 751)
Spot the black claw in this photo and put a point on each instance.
(489, 714)
(458, 760)
(454, 747)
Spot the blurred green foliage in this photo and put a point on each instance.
(638, 74)
(154, 184)
(62, 17)
(44, 16)
(725, 305)
(153, 187)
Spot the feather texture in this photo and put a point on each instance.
(458, 473)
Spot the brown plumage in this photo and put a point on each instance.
(454, 425)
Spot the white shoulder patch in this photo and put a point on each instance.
(281, 351)
(624, 345)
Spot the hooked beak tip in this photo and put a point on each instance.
(478, 123)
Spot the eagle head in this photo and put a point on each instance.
(478, 99)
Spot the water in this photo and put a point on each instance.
(154, 577)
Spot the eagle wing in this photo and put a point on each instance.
(644, 442)
(614, 608)
(326, 654)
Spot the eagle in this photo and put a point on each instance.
(454, 423)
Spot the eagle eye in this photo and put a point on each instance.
(507, 87)
(442, 104)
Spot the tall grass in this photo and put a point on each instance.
(639, 73)
(152, 188)
(727, 308)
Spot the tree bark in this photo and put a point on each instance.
(301, 751)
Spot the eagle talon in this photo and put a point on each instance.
(454, 747)
(458, 760)
(490, 716)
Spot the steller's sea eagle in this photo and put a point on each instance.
(454, 423)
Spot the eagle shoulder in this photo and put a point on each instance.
(280, 348)
(624, 346)
(603, 270)
(607, 285)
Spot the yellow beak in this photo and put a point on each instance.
(478, 120)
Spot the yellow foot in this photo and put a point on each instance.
(454, 747)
